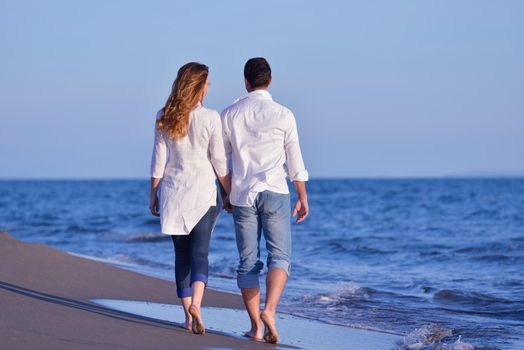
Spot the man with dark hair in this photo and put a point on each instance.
(257, 72)
(261, 140)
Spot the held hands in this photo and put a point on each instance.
(225, 190)
(227, 205)
(153, 204)
(302, 209)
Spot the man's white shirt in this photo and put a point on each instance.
(261, 142)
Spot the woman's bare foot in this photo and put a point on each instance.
(198, 324)
(270, 331)
(254, 335)
(188, 322)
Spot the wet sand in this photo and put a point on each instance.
(46, 302)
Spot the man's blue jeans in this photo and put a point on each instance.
(271, 215)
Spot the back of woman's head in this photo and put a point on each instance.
(186, 92)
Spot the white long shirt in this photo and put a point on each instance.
(261, 139)
(187, 168)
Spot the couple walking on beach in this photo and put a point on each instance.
(251, 149)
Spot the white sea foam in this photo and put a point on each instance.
(352, 290)
(347, 290)
(431, 337)
(343, 291)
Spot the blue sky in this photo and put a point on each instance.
(379, 88)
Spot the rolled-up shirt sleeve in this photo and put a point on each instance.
(217, 151)
(159, 156)
(295, 164)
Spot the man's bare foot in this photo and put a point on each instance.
(198, 324)
(270, 331)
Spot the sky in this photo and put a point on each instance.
(378, 88)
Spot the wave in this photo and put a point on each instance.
(495, 258)
(432, 337)
(149, 238)
(482, 213)
(449, 198)
(41, 223)
(345, 292)
(225, 275)
(474, 303)
(151, 221)
(492, 253)
(356, 246)
(468, 298)
(224, 238)
(518, 239)
(76, 228)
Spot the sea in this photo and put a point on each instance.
(438, 261)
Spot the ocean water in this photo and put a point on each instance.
(440, 261)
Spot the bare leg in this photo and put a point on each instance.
(185, 304)
(251, 297)
(275, 284)
(194, 308)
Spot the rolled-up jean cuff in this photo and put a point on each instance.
(248, 281)
(280, 264)
(198, 277)
(184, 292)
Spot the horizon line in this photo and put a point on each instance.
(349, 177)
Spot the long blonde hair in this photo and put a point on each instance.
(186, 92)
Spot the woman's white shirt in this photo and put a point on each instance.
(188, 168)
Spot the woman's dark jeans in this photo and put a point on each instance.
(191, 253)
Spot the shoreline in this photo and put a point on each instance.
(154, 273)
(143, 270)
(47, 299)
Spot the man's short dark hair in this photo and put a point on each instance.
(257, 72)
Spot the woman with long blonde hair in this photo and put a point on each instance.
(188, 156)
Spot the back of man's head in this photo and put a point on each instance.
(257, 72)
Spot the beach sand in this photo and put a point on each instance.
(46, 302)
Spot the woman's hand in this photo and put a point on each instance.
(153, 198)
(153, 204)
(227, 205)
(225, 190)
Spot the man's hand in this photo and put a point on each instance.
(302, 209)
(301, 206)
(153, 204)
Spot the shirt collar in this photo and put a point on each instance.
(261, 94)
